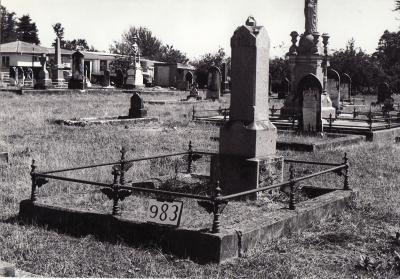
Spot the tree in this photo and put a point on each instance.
(149, 45)
(59, 30)
(28, 30)
(206, 61)
(150, 48)
(363, 69)
(8, 26)
(388, 56)
(170, 55)
(397, 3)
(279, 68)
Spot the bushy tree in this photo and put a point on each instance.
(150, 48)
(28, 30)
(363, 68)
(279, 68)
(206, 61)
(59, 30)
(8, 26)
(148, 44)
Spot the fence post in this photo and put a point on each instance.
(346, 172)
(354, 113)
(116, 210)
(193, 113)
(293, 120)
(292, 184)
(225, 115)
(190, 158)
(217, 203)
(370, 119)
(34, 187)
(330, 122)
(122, 162)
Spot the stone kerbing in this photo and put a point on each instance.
(198, 245)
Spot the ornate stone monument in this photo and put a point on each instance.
(134, 73)
(247, 147)
(57, 69)
(77, 80)
(309, 57)
(213, 83)
(44, 82)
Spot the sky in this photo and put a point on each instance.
(197, 27)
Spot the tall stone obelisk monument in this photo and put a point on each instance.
(248, 139)
(57, 69)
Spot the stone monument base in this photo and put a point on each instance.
(325, 112)
(77, 84)
(253, 140)
(237, 173)
(137, 113)
(43, 84)
(133, 86)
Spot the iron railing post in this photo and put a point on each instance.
(330, 122)
(346, 172)
(190, 158)
(193, 113)
(116, 210)
(292, 184)
(122, 162)
(34, 193)
(293, 120)
(217, 203)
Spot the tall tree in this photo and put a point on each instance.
(360, 66)
(279, 68)
(28, 30)
(8, 26)
(149, 45)
(59, 30)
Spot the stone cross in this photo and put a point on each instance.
(43, 61)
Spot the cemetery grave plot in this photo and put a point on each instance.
(194, 192)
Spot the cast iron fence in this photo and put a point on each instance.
(375, 121)
(118, 190)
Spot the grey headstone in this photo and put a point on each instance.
(284, 89)
(333, 87)
(383, 92)
(310, 90)
(213, 83)
(137, 107)
(345, 86)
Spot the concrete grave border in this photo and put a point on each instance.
(197, 245)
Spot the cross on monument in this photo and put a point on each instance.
(43, 60)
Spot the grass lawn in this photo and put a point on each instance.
(329, 249)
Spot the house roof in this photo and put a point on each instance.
(23, 47)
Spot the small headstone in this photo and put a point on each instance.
(333, 88)
(383, 92)
(106, 78)
(120, 78)
(310, 90)
(137, 107)
(345, 86)
(213, 83)
(284, 89)
(77, 79)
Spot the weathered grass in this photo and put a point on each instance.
(330, 249)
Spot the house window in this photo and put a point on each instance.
(5, 61)
(103, 65)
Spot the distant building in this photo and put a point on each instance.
(173, 75)
(26, 55)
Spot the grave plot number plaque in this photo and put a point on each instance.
(164, 212)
